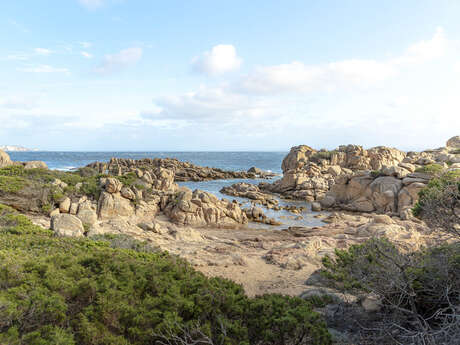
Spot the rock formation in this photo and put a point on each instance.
(183, 171)
(250, 191)
(380, 179)
(67, 225)
(4, 159)
(199, 208)
(454, 142)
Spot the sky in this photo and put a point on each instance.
(207, 75)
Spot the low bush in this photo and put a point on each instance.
(14, 178)
(111, 290)
(12, 184)
(439, 203)
(419, 292)
(320, 155)
(128, 179)
(432, 169)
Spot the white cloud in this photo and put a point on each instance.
(42, 51)
(221, 59)
(44, 69)
(114, 62)
(425, 50)
(86, 55)
(361, 73)
(366, 98)
(91, 4)
(298, 77)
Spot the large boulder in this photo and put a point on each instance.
(4, 159)
(297, 157)
(408, 195)
(454, 142)
(86, 213)
(385, 191)
(112, 185)
(200, 208)
(164, 180)
(112, 205)
(364, 193)
(67, 225)
(35, 165)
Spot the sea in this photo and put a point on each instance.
(235, 161)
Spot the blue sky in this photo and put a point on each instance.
(220, 75)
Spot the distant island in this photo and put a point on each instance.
(15, 148)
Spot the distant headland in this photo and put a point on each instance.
(15, 148)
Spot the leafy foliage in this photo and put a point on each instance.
(439, 202)
(110, 290)
(14, 179)
(11, 184)
(323, 154)
(432, 169)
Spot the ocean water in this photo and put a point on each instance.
(235, 161)
(225, 160)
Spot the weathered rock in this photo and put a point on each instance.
(255, 170)
(182, 171)
(4, 159)
(315, 206)
(112, 185)
(67, 225)
(454, 142)
(200, 208)
(55, 212)
(164, 180)
(153, 227)
(64, 205)
(113, 205)
(73, 208)
(86, 213)
(296, 158)
(408, 195)
(250, 191)
(35, 165)
(127, 193)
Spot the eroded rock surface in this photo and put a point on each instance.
(183, 171)
(4, 159)
(250, 191)
(67, 225)
(199, 208)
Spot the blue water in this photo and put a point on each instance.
(235, 161)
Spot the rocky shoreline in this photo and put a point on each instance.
(367, 194)
(183, 171)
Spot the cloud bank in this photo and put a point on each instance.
(221, 59)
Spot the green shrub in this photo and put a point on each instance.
(432, 169)
(320, 155)
(113, 290)
(419, 292)
(376, 173)
(128, 179)
(12, 184)
(439, 202)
